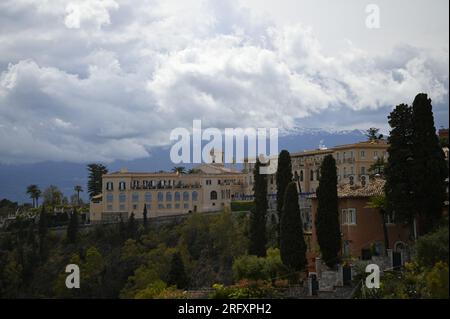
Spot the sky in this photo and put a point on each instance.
(105, 80)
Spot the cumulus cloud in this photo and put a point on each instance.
(106, 80)
(96, 11)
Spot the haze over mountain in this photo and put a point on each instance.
(15, 178)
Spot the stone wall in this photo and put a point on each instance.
(329, 279)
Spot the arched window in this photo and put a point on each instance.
(185, 196)
(213, 195)
(109, 198)
(148, 197)
(135, 197)
(122, 198)
(177, 196)
(301, 176)
(160, 197)
(194, 196)
(169, 196)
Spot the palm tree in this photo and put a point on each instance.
(34, 192)
(78, 189)
(379, 202)
(193, 171)
(37, 194)
(179, 169)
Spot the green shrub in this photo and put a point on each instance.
(433, 248)
(239, 206)
(152, 290)
(259, 268)
(244, 289)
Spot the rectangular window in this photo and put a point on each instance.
(122, 207)
(109, 207)
(186, 206)
(135, 206)
(363, 154)
(348, 216)
(351, 220)
(343, 217)
(390, 218)
(109, 198)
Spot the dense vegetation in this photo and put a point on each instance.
(416, 170)
(129, 260)
(426, 276)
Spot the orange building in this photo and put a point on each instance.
(362, 227)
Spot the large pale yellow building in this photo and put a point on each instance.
(352, 161)
(214, 186)
(211, 188)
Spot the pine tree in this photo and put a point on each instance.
(96, 171)
(72, 229)
(327, 221)
(398, 172)
(145, 218)
(257, 232)
(429, 166)
(284, 177)
(177, 274)
(292, 242)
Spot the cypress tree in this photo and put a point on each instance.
(145, 217)
(284, 177)
(429, 165)
(398, 172)
(257, 232)
(72, 229)
(177, 274)
(292, 242)
(42, 231)
(132, 227)
(122, 229)
(327, 220)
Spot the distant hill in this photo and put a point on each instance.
(15, 178)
